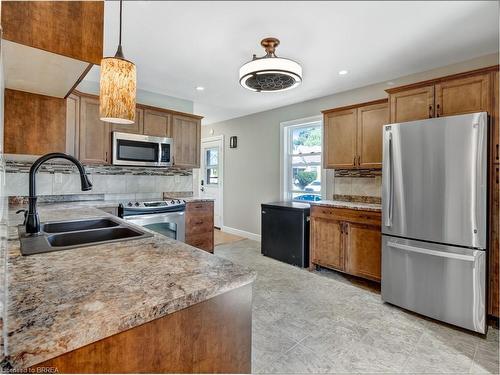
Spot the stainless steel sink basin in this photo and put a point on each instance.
(77, 225)
(63, 235)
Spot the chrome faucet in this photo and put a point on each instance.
(31, 218)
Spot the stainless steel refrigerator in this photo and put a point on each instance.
(434, 218)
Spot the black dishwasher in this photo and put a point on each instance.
(285, 232)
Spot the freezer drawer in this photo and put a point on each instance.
(446, 283)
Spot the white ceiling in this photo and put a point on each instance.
(178, 45)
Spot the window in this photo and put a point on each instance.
(212, 166)
(302, 161)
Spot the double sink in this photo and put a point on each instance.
(63, 235)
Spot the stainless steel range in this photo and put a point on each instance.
(164, 217)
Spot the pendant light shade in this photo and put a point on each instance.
(117, 87)
(270, 72)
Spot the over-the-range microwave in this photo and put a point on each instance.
(142, 150)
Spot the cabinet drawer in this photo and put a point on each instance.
(197, 224)
(199, 208)
(346, 214)
(202, 241)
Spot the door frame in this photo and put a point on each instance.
(221, 171)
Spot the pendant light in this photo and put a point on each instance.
(117, 88)
(270, 72)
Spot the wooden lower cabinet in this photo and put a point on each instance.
(214, 336)
(346, 240)
(327, 248)
(200, 225)
(363, 250)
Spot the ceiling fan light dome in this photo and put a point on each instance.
(270, 73)
(117, 91)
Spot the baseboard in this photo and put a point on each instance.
(242, 233)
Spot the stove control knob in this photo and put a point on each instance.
(183, 201)
(137, 204)
(129, 204)
(178, 201)
(172, 201)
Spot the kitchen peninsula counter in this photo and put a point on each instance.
(64, 300)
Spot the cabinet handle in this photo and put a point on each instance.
(497, 177)
(359, 160)
(341, 228)
(497, 150)
(430, 111)
(437, 110)
(346, 228)
(106, 156)
(354, 161)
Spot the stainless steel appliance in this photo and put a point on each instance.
(142, 150)
(434, 218)
(164, 217)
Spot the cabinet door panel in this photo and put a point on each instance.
(412, 104)
(339, 134)
(494, 253)
(327, 243)
(186, 133)
(135, 128)
(363, 251)
(94, 141)
(463, 95)
(371, 119)
(157, 123)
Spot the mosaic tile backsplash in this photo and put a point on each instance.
(63, 179)
(362, 185)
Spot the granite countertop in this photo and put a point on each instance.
(352, 205)
(60, 301)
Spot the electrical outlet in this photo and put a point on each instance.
(58, 178)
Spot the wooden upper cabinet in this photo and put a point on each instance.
(363, 253)
(353, 135)
(186, 132)
(135, 128)
(339, 133)
(463, 95)
(327, 242)
(95, 143)
(33, 124)
(495, 120)
(70, 28)
(371, 120)
(412, 104)
(157, 123)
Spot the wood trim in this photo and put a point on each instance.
(352, 106)
(214, 336)
(428, 82)
(144, 106)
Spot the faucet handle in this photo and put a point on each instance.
(25, 214)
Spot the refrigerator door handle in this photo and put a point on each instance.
(469, 258)
(389, 180)
(476, 179)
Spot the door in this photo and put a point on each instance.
(435, 180)
(443, 282)
(363, 250)
(157, 123)
(327, 247)
(340, 139)
(186, 132)
(211, 174)
(135, 128)
(95, 143)
(371, 120)
(463, 95)
(413, 104)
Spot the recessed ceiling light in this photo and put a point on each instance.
(390, 83)
(200, 88)
(343, 72)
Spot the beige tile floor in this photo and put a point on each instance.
(317, 322)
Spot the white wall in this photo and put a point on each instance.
(251, 171)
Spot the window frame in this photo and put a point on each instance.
(286, 164)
